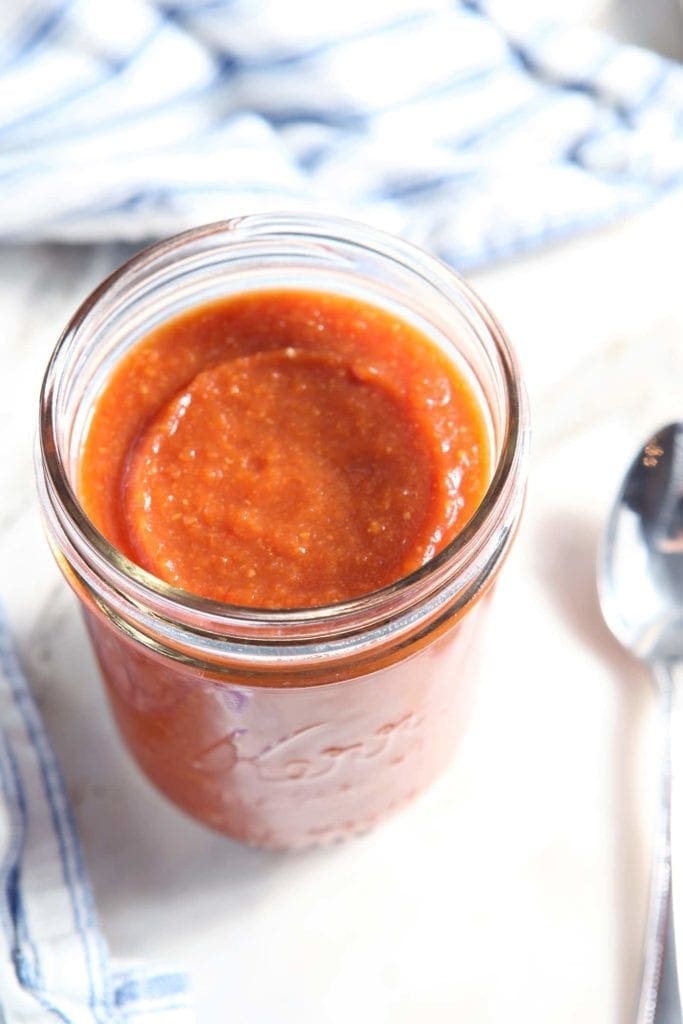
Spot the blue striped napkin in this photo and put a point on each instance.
(53, 962)
(458, 125)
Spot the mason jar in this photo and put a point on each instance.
(285, 729)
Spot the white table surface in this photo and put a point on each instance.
(514, 890)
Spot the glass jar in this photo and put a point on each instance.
(284, 729)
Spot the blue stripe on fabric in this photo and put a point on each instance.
(633, 110)
(275, 61)
(156, 987)
(238, 187)
(132, 1013)
(322, 49)
(419, 186)
(17, 824)
(504, 122)
(530, 57)
(574, 153)
(38, 35)
(28, 974)
(16, 926)
(130, 117)
(158, 195)
(354, 119)
(175, 11)
(14, 918)
(28, 971)
(313, 157)
(463, 81)
(527, 55)
(308, 115)
(524, 242)
(521, 53)
(72, 863)
(27, 968)
(588, 83)
(111, 71)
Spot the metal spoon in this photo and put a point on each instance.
(640, 583)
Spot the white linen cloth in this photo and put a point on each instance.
(452, 123)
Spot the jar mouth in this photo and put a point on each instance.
(145, 589)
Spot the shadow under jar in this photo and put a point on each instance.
(284, 729)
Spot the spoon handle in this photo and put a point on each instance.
(660, 1001)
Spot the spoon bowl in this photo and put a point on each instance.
(640, 570)
(640, 586)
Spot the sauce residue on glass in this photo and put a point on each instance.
(284, 449)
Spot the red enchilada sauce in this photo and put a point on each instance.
(284, 449)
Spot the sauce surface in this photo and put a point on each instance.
(284, 449)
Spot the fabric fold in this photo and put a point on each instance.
(54, 964)
(467, 127)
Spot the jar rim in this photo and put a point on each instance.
(100, 553)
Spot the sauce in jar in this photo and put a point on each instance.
(284, 449)
(324, 494)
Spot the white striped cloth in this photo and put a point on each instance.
(54, 965)
(453, 123)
